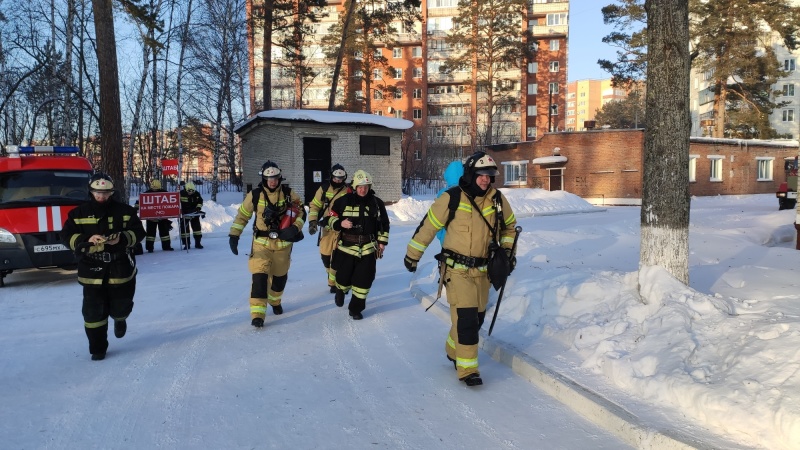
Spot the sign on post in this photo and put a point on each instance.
(159, 205)
(169, 167)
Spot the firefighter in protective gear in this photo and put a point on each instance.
(465, 253)
(318, 210)
(361, 219)
(279, 219)
(162, 225)
(103, 233)
(191, 203)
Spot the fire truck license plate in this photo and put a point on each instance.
(49, 248)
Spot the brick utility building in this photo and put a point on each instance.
(605, 166)
(305, 144)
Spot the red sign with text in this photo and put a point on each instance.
(169, 167)
(159, 205)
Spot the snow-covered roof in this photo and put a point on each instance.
(745, 142)
(311, 115)
(550, 160)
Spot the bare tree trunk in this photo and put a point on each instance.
(110, 114)
(137, 110)
(340, 55)
(719, 110)
(66, 117)
(155, 152)
(665, 188)
(178, 105)
(266, 90)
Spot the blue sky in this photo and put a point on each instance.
(586, 31)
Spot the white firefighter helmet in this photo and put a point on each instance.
(101, 182)
(361, 178)
(270, 170)
(480, 164)
(338, 171)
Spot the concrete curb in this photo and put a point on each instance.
(583, 401)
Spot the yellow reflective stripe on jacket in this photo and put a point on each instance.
(122, 280)
(245, 212)
(86, 221)
(416, 245)
(383, 237)
(434, 220)
(281, 244)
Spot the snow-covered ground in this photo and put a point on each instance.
(716, 359)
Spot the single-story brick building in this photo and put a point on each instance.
(605, 166)
(306, 143)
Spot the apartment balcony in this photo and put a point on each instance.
(439, 54)
(443, 12)
(463, 97)
(448, 77)
(539, 9)
(552, 30)
(407, 38)
(448, 120)
(436, 34)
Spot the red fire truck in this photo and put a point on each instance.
(39, 186)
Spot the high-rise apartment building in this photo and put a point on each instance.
(447, 111)
(585, 97)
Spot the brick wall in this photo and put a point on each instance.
(607, 163)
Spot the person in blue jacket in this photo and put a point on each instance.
(451, 174)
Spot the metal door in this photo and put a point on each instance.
(317, 164)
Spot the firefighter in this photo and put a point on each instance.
(192, 204)
(465, 253)
(360, 218)
(318, 211)
(163, 225)
(103, 233)
(279, 220)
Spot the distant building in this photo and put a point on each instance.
(585, 97)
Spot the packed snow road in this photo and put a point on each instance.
(192, 372)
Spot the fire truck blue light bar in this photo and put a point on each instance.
(49, 149)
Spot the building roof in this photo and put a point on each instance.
(311, 115)
(555, 159)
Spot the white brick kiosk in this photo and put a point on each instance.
(306, 143)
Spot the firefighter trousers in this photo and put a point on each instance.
(327, 245)
(101, 301)
(270, 269)
(356, 273)
(467, 295)
(163, 227)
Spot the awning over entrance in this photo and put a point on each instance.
(550, 160)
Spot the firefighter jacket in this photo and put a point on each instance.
(190, 203)
(268, 208)
(370, 223)
(467, 234)
(324, 198)
(100, 260)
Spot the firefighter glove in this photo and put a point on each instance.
(234, 243)
(288, 233)
(512, 260)
(312, 227)
(411, 264)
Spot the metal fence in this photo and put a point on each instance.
(203, 182)
(418, 186)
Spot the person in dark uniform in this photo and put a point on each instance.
(103, 233)
(363, 225)
(191, 203)
(318, 209)
(162, 225)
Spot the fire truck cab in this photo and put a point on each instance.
(39, 186)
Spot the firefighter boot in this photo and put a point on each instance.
(98, 341)
(197, 242)
(186, 243)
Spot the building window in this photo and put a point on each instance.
(554, 110)
(417, 154)
(516, 173)
(358, 55)
(418, 114)
(533, 67)
(788, 90)
(398, 93)
(556, 19)
(788, 115)
(553, 66)
(692, 168)
(532, 87)
(397, 52)
(417, 93)
(555, 45)
(374, 145)
(553, 88)
(531, 110)
(377, 54)
(417, 135)
(398, 113)
(532, 132)
(398, 74)
(416, 72)
(715, 174)
(764, 168)
(378, 113)
(359, 95)
(377, 74)
(377, 95)
(788, 65)
(416, 52)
